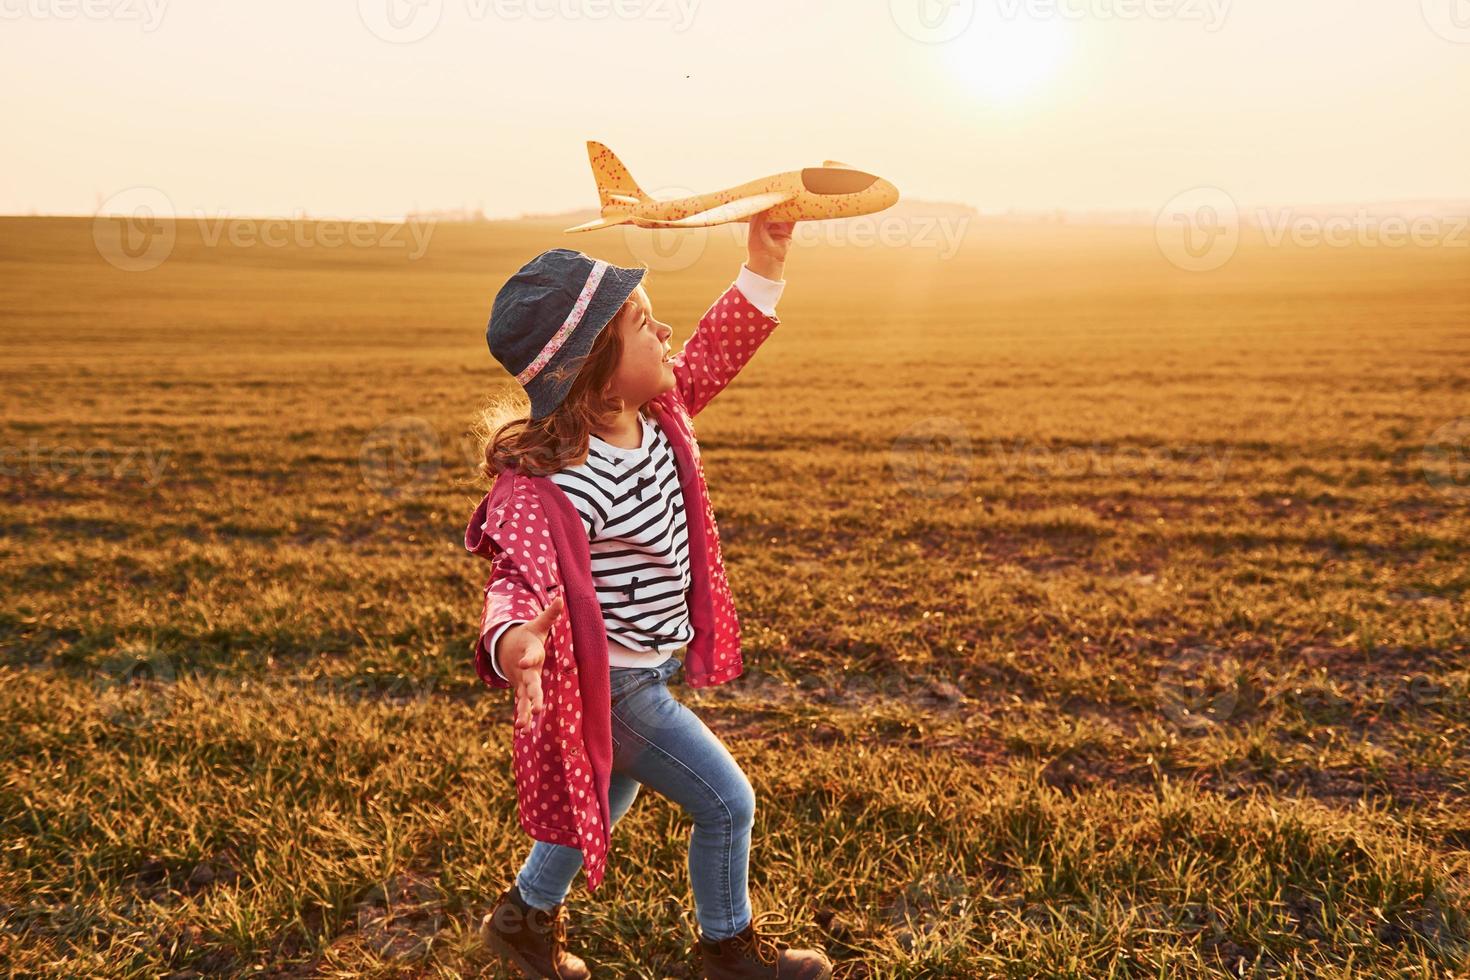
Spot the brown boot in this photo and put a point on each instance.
(533, 940)
(748, 953)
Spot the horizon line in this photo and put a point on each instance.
(476, 215)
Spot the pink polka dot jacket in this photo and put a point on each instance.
(537, 546)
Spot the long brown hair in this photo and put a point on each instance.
(539, 447)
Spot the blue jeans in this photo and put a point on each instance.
(659, 743)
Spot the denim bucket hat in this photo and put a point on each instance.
(547, 316)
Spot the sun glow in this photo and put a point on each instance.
(1003, 59)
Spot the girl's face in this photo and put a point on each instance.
(644, 372)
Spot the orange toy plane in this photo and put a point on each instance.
(833, 190)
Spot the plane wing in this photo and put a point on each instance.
(737, 210)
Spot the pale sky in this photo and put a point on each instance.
(279, 106)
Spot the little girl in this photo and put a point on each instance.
(606, 578)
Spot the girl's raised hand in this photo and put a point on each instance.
(522, 653)
(767, 245)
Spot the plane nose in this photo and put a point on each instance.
(888, 192)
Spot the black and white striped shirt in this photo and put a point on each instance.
(633, 512)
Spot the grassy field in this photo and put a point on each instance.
(1101, 618)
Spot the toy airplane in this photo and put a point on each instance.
(833, 190)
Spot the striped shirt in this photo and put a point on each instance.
(632, 508)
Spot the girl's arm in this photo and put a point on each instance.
(733, 328)
(509, 594)
(508, 600)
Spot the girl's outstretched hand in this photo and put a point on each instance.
(522, 651)
(767, 246)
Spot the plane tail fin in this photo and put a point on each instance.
(616, 188)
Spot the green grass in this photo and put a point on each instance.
(1100, 619)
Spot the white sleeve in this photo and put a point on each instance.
(763, 293)
(494, 658)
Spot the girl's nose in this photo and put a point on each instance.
(665, 331)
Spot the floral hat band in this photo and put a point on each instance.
(549, 314)
(568, 325)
